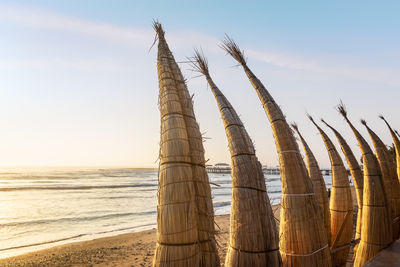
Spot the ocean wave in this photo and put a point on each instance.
(228, 193)
(76, 219)
(274, 191)
(78, 187)
(222, 204)
(272, 179)
(219, 182)
(42, 243)
(72, 175)
(75, 237)
(55, 177)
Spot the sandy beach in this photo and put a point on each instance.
(133, 249)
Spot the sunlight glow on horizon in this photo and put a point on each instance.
(81, 89)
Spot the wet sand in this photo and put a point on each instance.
(133, 249)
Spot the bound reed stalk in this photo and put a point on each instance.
(318, 183)
(253, 239)
(357, 175)
(376, 231)
(185, 217)
(340, 205)
(396, 142)
(302, 233)
(389, 177)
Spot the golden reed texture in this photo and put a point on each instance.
(341, 204)
(376, 231)
(389, 177)
(302, 232)
(318, 183)
(253, 237)
(185, 216)
(357, 175)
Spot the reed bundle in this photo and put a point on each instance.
(302, 233)
(318, 183)
(357, 175)
(389, 176)
(253, 236)
(185, 216)
(376, 231)
(340, 205)
(396, 142)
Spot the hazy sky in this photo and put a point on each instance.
(79, 86)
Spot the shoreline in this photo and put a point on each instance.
(74, 239)
(129, 249)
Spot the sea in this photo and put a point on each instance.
(45, 207)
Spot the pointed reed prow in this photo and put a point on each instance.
(365, 148)
(308, 246)
(253, 239)
(396, 142)
(389, 177)
(185, 214)
(356, 174)
(341, 203)
(376, 231)
(363, 122)
(229, 45)
(334, 131)
(324, 122)
(392, 133)
(316, 125)
(158, 29)
(232, 49)
(199, 62)
(318, 183)
(296, 128)
(312, 120)
(342, 109)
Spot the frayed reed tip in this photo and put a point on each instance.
(310, 117)
(327, 124)
(158, 28)
(229, 45)
(387, 124)
(199, 62)
(363, 122)
(342, 109)
(324, 122)
(294, 126)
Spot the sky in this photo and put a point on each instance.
(78, 79)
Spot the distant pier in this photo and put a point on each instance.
(226, 168)
(219, 168)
